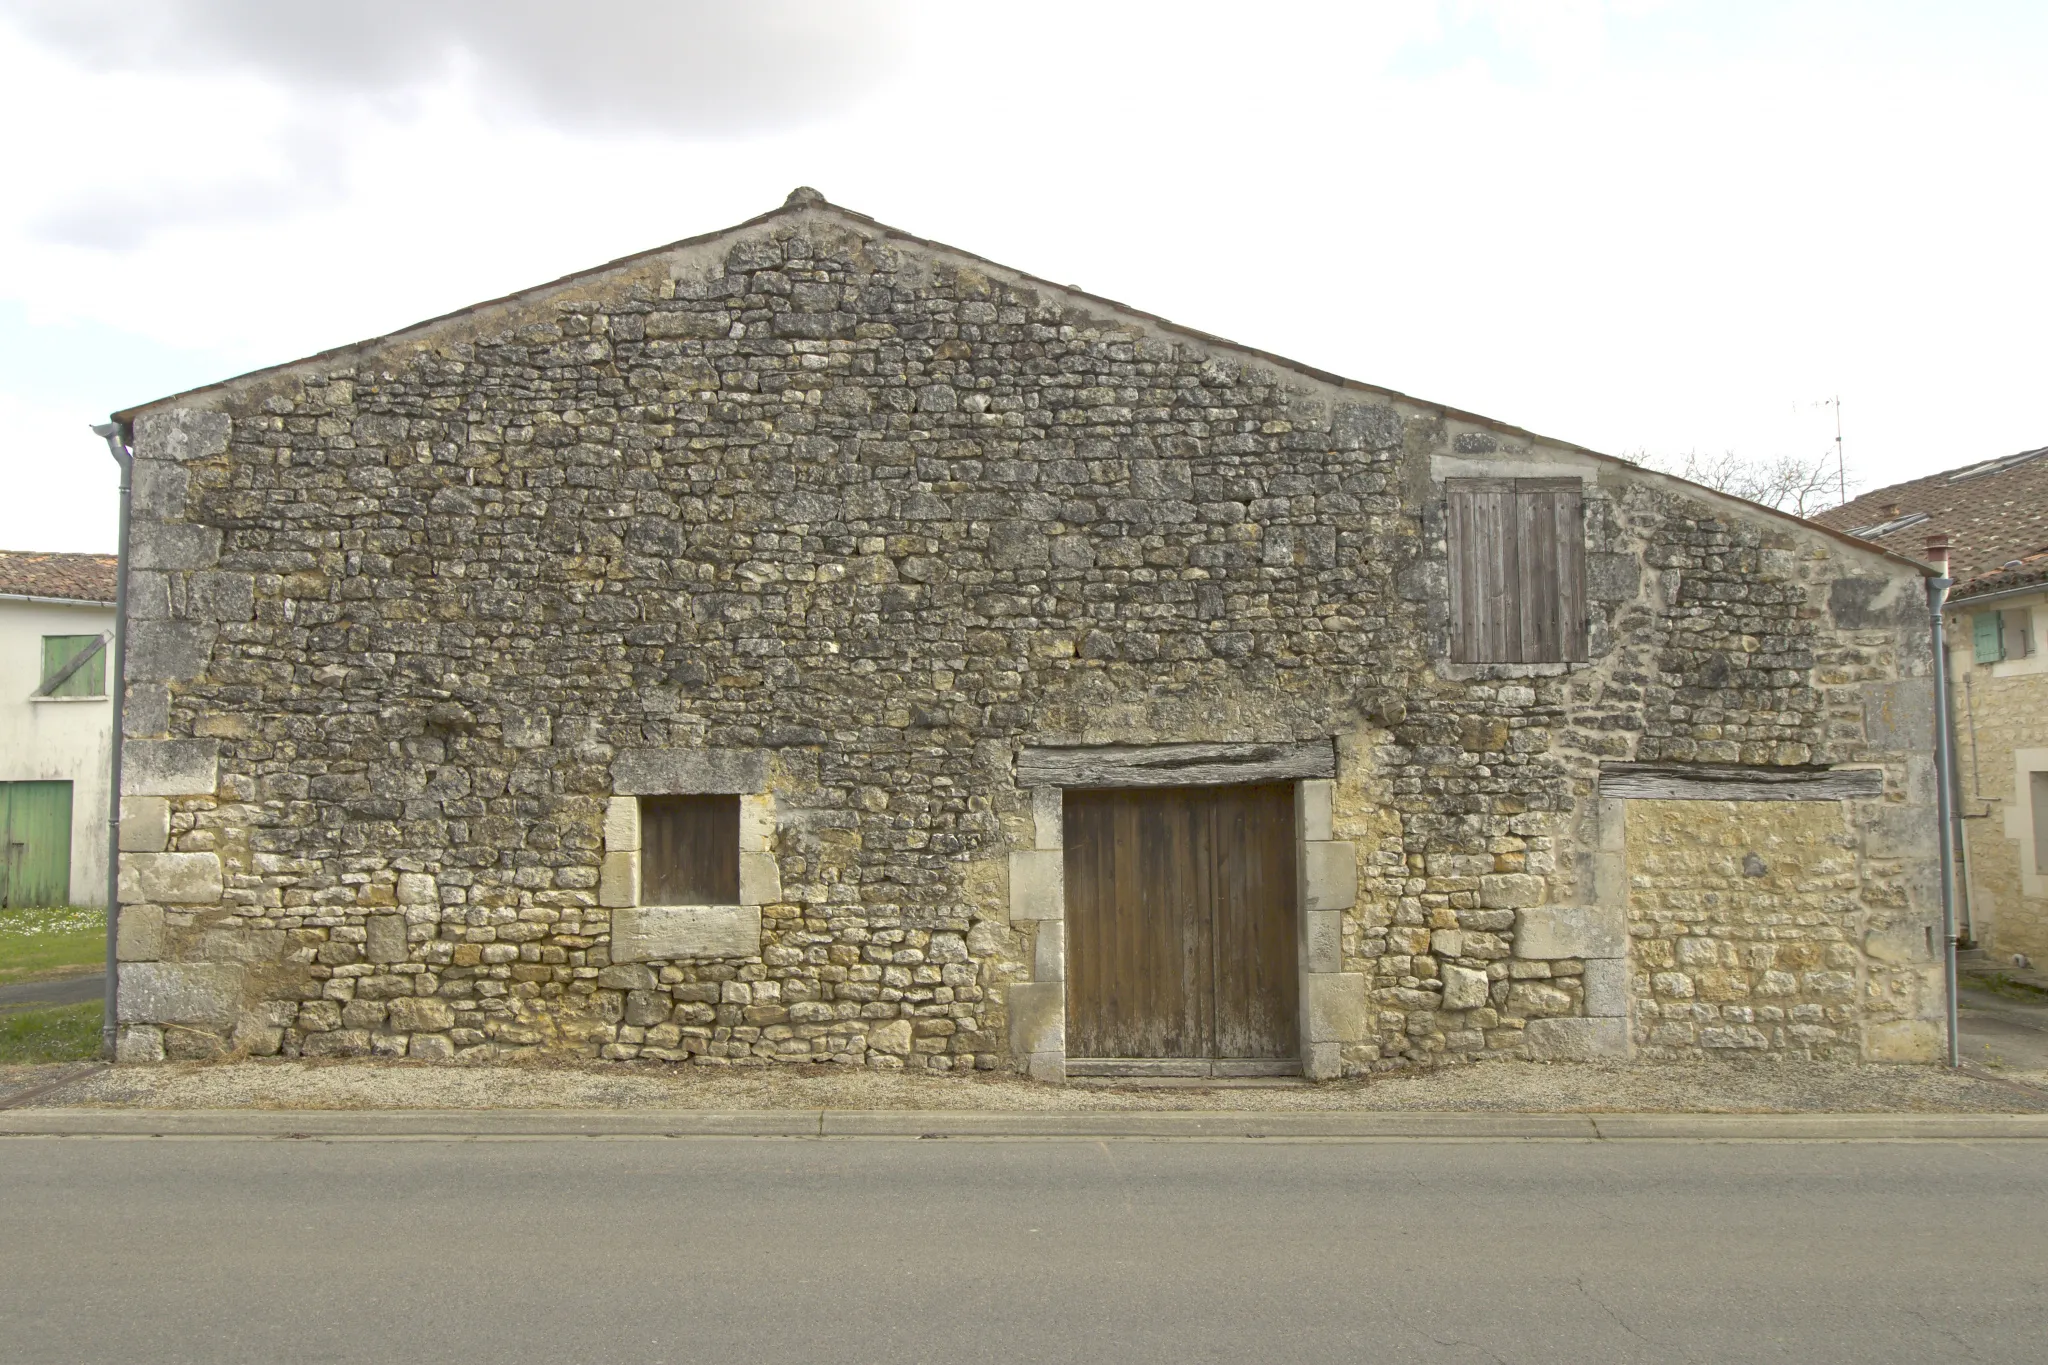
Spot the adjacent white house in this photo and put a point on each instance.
(56, 632)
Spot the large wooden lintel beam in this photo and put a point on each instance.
(1174, 765)
(1737, 782)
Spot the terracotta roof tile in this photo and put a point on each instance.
(81, 578)
(1996, 511)
(2024, 573)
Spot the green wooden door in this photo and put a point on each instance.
(35, 837)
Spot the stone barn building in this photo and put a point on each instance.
(810, 643)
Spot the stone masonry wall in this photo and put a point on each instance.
(2001, 719)
(879, 513)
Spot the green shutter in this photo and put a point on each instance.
(1987, 633)
(90, 680)
(35, 843)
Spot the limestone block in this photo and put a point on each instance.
(892, 1038)
(145, 824)
(174, 545)
(647, 933)
(170, 767)
(1577, 1040)
(1050, 961)
(689, 772)
(1607, 987)
(1038, 1017)
(760, 879)
(385, 938)
(1325, 948)
(181, 434)
(757, 824)
(1464, 989)
(630, 976)
(1038, 885)
(241, 945)
(527, 730)
(140, 935)
(1510, 890)
(418, 888)
(618, 879)
(416, 1014)
(1334, 1006)
(179, 993)
(139, 1043)
(170, 878)
(147, 714)
(1330, 874)
(256, 1036)
(160, 490)
(1904, 1040)
(1049, 816)
(1898, 716)
(1047, 1066)
(1318, 803)
(622, 824)
(1586, 931)
(432, 1047)
(168, 651)
(1323, 1061)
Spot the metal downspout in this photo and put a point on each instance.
(118, 447)
(1937, 591)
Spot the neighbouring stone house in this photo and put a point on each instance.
(1996, 512)
(810, 643)
(56, 732)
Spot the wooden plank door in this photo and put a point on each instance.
(1180, 923)
(35, 843)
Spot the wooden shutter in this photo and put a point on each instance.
(689, 850)
(86, 678)
(1987, 636)
(1518, 570)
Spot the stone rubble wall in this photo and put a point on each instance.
(881, 514)
(2001, 717)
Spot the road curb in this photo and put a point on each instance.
(1156, 1124)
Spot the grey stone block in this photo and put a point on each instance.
(1607, 984)
(689, 772)
(1330, 871)
(629, 976)
(204, 993)
(1322, 1061)
(1038, 884)
(1464, 989)
(1038, 1017)
(168, 651)
(618, 879)
(173, 545)
(1510, 890)
(1577, 1040)
(181, 434)
(655, 932)
(220, 596)
(140, 935)
(148, 710)
(757, 824)
(1898, 716)
(149, 596)
(1586, 931)
(1334, 1006)
(622, 825)
(384, 938)
(418, 888)
(242, 945)
(1018, 545)
(1049, 817)
(415, 1014)
(760, 879)
(139, 1043)
(528, 730)
(158, 491)
(1049, 960)
(170, 878)
(1325, 946)
(145, 823)
(1318, 809)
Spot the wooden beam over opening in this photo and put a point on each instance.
(1174, 765)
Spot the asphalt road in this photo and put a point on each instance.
(651, 1250)
(65, 990)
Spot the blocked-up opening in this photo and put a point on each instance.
(690, 850)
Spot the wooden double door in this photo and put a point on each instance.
(1181, 938)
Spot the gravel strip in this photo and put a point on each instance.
(1501, 1086)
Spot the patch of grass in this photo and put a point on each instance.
(50, 941)
(66, 1033)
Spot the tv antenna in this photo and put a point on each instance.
(1841, 465)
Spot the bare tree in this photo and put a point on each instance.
(1786, 482)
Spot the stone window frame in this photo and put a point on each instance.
(1333, 1001)
(663, 933)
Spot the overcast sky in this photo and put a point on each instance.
(1639, 225)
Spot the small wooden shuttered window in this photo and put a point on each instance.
(1518, 571)
(1987, 637)
(73, 676)
(690, 850)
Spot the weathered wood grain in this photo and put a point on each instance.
(1734, 782)
(1174, 765)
